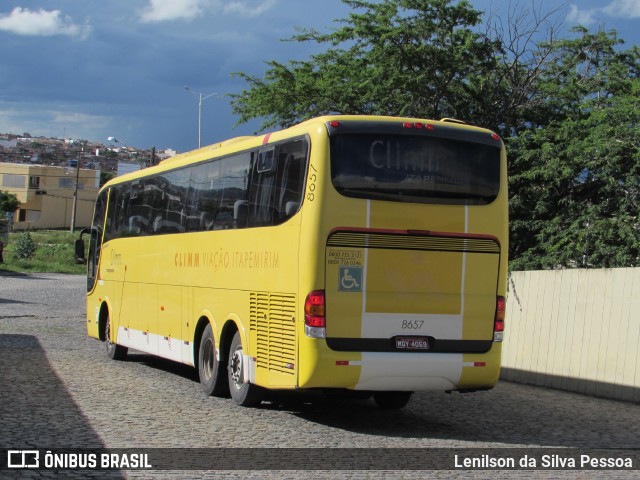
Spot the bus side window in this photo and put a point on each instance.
(109, 228)
(120, 219)
(232, 188)
(153, 194)
(263, 180)
(291, 176)
(277, 183)
(136, 212)
(262, 207)
(291, 186)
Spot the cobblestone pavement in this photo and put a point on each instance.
(59, 390)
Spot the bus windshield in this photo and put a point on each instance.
(417, 169)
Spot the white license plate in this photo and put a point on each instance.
(412, 343)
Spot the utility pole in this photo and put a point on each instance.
(75, 193)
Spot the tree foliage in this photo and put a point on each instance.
(8, 202)
(575, 182)
(568, 109)
(400, 57)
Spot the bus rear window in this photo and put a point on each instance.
(417, 169)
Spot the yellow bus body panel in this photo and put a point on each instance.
(157, 288)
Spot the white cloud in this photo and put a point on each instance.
(616, 8)
(582, 17)
(623, 8)
(54, 120)
(78, 120)
(248, 8)
(23, 21)
(168, 10)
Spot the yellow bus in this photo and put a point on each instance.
(347, 252)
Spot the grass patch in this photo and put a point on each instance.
(55, 253)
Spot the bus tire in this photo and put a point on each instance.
(391, 400)
(243, 394)
(208, 367)
(114, 351)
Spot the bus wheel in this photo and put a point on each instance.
(244, 394)
(208, 365)
(391, 400)
(114, 351)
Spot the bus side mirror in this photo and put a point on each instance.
(79, 247)
(79, 251)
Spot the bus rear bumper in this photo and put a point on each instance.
(401, 371)
(413, 372)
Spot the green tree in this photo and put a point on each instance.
(422, 58)
(575, 182)
(395, 57)
(9, 202)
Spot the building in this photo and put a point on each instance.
(127, 167)
(46, 194)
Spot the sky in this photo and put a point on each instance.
(118, 68)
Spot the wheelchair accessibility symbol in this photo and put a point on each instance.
(350, 279)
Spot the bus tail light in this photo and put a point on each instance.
(314, 319)
(498, 323)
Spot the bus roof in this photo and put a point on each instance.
(254, 141)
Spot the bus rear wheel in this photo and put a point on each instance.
(391, 400)
(114, 351)
(208, 365)
(244, 394)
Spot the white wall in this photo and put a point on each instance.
(576, 330)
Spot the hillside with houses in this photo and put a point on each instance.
(52, 151)
(56, 180)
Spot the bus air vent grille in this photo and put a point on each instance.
(272, 317)
(407, 241)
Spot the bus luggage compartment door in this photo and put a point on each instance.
(395, 292)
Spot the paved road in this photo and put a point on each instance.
(59, 390)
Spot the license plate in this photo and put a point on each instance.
(412, 343)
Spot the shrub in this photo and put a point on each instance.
(25, 246)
